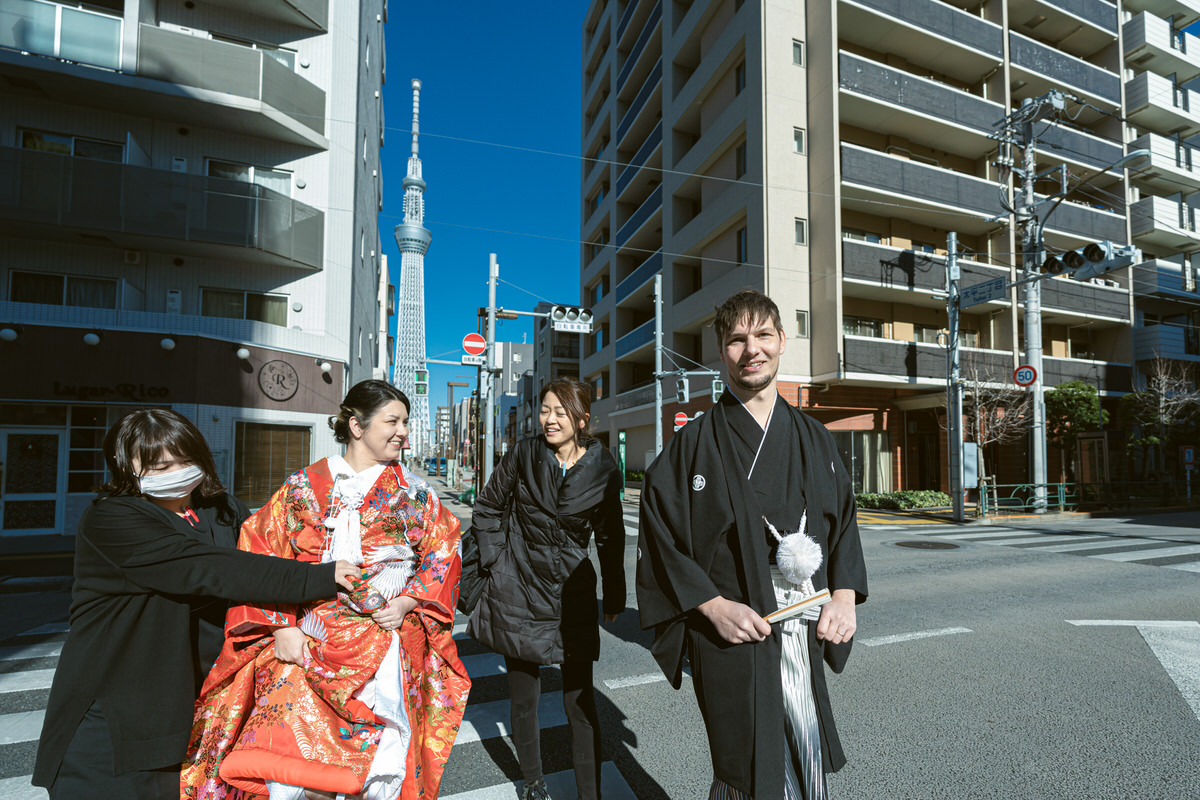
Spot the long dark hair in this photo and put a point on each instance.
(576, 398)
(144, 435)
(362, 401)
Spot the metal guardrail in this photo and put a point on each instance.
(1021, 498)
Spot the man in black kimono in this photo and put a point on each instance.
(706, 562)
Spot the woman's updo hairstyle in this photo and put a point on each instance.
(362, 402)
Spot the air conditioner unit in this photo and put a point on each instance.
(133, 257)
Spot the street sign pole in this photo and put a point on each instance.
(954, 426)
(658, 331)
(489, 426)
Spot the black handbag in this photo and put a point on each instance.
(473, 576)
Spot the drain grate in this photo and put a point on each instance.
(928, 545)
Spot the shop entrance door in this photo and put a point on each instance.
(32, 473)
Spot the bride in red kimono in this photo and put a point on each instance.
(361, 696)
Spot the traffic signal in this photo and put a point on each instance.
(571, 319)
(683, 392)
(718, 387)
(1092, 261)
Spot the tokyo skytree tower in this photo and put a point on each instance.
(413, 240)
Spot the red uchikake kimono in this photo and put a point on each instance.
(259, 719)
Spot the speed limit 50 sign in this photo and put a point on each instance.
(1024, 375)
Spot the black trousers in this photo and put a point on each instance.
(583, 724)
(87, 769)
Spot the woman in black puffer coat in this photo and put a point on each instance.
(539, 602)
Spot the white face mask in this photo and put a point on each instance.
(172, 485)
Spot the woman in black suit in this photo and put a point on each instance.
(155, 561)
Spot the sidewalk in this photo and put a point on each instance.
(945, 516)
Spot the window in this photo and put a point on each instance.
(78, 146)
(798, 52)
(236, 304)
(742, 247)
(861, 236)
(1082, 350)
(739, 78)
(862, 326)
(277, 180)
(62, 290)
(926, 334)
(923, 247)
(798, 140)
(867, 456)
(968, 338)
(739, 157)
(264, 456)
(802, 324)
(801, 231)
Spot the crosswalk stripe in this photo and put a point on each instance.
(1048, 539)
(981, 535)
(460, 629)
(559, 784)
(52, 627)
(1109, 542)
(635, 680)
(489, 720)
(25, 681)
(484, 664)
(22, 726)
(1191, 566)
(21, 789)
(1141, 555)
(38, 650)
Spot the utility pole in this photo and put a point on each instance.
(1031, 263)
(488, 389)
(954, 431)
(658, 410)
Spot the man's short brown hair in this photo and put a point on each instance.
(746, 304)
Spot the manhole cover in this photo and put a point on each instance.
(928, 545)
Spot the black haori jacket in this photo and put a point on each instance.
(701, 536)
(539, 600)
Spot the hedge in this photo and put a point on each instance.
(896, 501)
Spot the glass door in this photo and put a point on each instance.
(31, 481)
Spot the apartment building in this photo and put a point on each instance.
(822, 152)
(189, 194)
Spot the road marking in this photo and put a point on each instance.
(981, 535)
(489, 720)
(460, 629)
(908, 637)
(1176, 645)
(1193, 566)
(51, 627)
(39, 650)
(560, 784)
(1139, 555)
(25, 681)
(21, 789)
(1111, 542)
(1068, 537)
(23, 726)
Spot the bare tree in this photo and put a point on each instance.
(995, 411)
(1167, 404)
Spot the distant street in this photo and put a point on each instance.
(1040, 658)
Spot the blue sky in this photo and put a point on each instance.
(500, 96)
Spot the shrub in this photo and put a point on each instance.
(634, 475)
(896, 501)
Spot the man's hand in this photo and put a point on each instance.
(291, 645)
(392, 615)
(838, 621)
(343, 571)
(735, 622)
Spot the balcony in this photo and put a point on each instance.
(1064, 298)
(47, 195)
(1169, 278)
(935, 35)
(887, 361)
(650, 147)
(649, 208)
(1044, 68)
(635, 54)
(1076, 224)
(882, 270)
(637, 396)
(171, 75)
(1080, 27)
(1166, 341)
(1078, 147)
(311, 15)
(1185, 12)
(1173, 164)
(651, 86)
(636, 339)
(928, 194)
(1162, 222)
(875, 96)
(1151, 44)
(1154, 103)
(1104, 375)
(640, 276)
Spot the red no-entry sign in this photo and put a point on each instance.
(474, 344)
(681, 419)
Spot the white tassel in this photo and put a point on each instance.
(799, 556)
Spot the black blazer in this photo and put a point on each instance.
(144, 582)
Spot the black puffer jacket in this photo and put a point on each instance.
(539, 601)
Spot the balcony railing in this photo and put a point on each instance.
(1101, 13)
(1042, 60)
(640, 158)
(1105, 376)
(950, 23)
(645, 211)
(914, 179)
(231, 69)
(39, 188)
(640, 336)
(1173, 163)
(636, 52)
(310, 14)
(1164, 222)
(72, 34)
(1151, 43)
(636, 396)
(1166, 341)
(915, 361)
(652, 82)
(1078, 296)
(1157, 103)
(1172, 278)
(638, 278)
(908, 270)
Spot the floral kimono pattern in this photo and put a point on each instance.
(318, 724)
